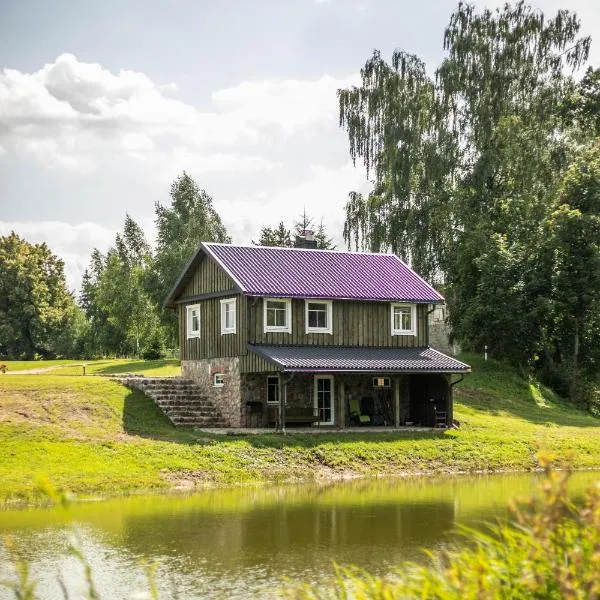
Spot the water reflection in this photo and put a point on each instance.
(242, 542)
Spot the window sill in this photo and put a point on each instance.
(277, 330)
(314, 330)
(413, 333)
(227, 331)
(192, 336)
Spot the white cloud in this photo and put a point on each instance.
(80, 116)
(323, 193)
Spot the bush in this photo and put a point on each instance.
(154, 352)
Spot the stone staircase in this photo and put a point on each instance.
(181, 400)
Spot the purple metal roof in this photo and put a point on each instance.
(338, 358)
(302, 273)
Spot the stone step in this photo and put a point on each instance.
(197, 407)
(181, 400)
(174, 395)
(190, 413)
(197, 422)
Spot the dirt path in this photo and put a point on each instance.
(36, 371)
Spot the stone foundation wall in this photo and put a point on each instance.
(227, 399)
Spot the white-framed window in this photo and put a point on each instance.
(273, 389)
(228, 316)
(404, 319)
(192, 313)
(277, 314)
(324, 399)
(218, 380)
(317, 316)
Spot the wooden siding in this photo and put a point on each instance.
(252, 363)
(354, 324)
(211, 343)
(208, 277)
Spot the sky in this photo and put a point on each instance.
(104, 104)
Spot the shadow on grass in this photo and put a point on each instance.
(495, 388)
(552, 412)
(141, 417)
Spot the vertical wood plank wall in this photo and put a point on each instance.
(355, 323)
(208, 278)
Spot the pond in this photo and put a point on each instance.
(241, 543)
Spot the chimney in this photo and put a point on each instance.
(305, 239)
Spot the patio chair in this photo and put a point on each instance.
(357, 417)
(441, 419)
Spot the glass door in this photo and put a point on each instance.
(324, 398)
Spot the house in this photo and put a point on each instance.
(283, 336)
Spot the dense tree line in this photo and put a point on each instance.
(487, 179)
(38, 315)
(119, 311)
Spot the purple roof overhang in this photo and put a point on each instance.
(304, 273)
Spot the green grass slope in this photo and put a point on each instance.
(91, 435)
(166, 367)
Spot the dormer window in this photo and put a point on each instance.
(317, 316)
(277, 315)
(404, 319)
(193, 320)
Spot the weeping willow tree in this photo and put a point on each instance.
(395, 124)
(422, 137)
(465, 163)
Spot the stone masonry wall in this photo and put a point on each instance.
(227, 398)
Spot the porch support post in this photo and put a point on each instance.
(397, 402)
(450, 402)
(282, 394)
(342, 403)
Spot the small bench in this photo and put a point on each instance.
(301, 415)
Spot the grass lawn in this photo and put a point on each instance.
(167, 367)
(90, 435)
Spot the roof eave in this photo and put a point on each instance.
(254, 294)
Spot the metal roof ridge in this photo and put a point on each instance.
(301, 249)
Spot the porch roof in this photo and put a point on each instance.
(355, 359)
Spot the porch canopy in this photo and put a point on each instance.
(341, 359)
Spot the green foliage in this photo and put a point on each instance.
(189, 219)
(281, 237)
(573, 231)
(467, 166)
(124, 320)
(38, 315)
(549, 551)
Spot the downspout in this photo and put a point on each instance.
(457, 381)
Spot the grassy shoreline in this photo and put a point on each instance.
(93, 437)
